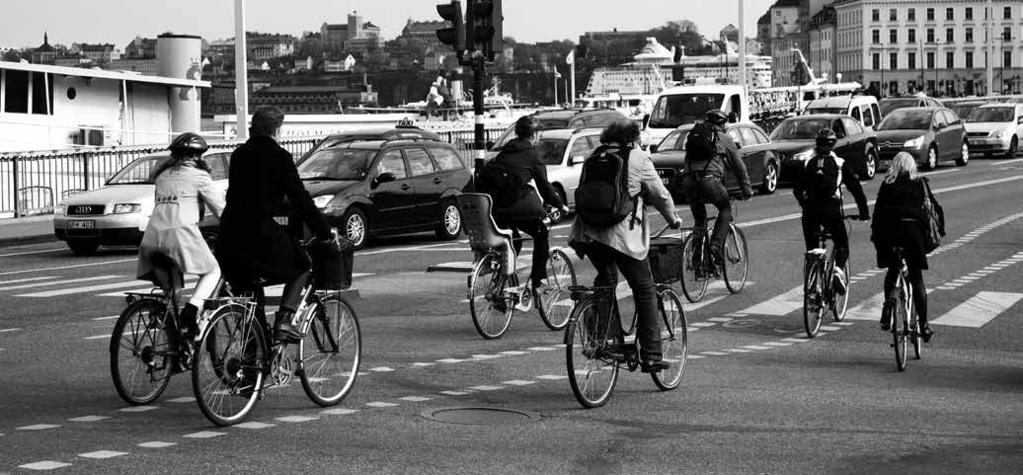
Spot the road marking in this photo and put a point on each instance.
(1004, 162)
(38, 427)
(86, 289)
(978, 310)
(739, 350)
(703, 324)
(518, 382)
(205, 434)
(485, 357)
(551, 376)
(421, 364)
(44, 465)
(69, 281)
(541, 348)
(795, 340)
(380, 404)
(450, 360)
(830, 328)
(156, 444)
(780, 305)
(138, 408)
(514, 353)
(182, 400)
(756, 347)
(26, 253)
(254, 425)
(145, 287)
(713, 353)
(88, 418)
(416, 398)
(486, 388)
(107, 318)
(339, 412)
(695, 357)
(778, 343)
(93, 264)
(382, 369)
(31, 279)
(102, 454)
(6, 330)
(454, 393)
(720, 319)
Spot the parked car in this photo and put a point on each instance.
(889, 104)
(117, 213)
(865, 109)
(373, 188)
(404, 130)
(931, 134)
(761, 163)
(793, 142)
(562, 119)
(995, 128)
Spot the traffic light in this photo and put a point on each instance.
(454, 36)
(484, 27)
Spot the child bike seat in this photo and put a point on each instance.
(479, 224)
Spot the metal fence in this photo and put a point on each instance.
(33, 183)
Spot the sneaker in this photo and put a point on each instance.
(886, 314)
(926, 333)
(284, 330)
(654, 366)
(838, 281)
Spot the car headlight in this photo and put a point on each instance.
(124, 208)
(321, 201)
(60, 209)
(803, 156)
(915, 143)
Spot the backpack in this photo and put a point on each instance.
(602, 198)
(501, 183)
(700, 143)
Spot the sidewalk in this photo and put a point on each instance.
(31, 230)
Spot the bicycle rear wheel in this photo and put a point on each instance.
(736, 267)
(230, 365)
(591, 371)
(900, 328)
(840, 300)
(694, 275)
(142, 352)
(813, 297)
(674, 340)
(915, 337)
(330, 352)
(491, 311)
(552, 300)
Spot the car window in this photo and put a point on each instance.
(747, 136)
(760, 135)
(839, 128)
(419, 162)
(799, 128)
(581, 147)
(594, 141)
(852, 127)
(952, 118)
(734, 134)
(877, 112)
(218, 165)
(867, 118)
(446, 159)
(856, 113)
(551, 150)
(939, 120)
(392, 162)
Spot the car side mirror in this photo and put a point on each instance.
(383, 178)
(576, 159)
(1020, 120)
(646, 120)
(653, 148)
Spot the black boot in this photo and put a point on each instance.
(188, 321)
(284, 330)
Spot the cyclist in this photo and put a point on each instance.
(183, 184)
(526, 214)
(625, 245)
(819, 193)
(252, 247)
(703, 180)
(897, 222)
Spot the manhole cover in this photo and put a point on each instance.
(488, 416)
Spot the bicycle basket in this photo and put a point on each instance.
(666, 259)
(332, 264)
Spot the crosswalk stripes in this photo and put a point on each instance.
(111, 289)
(56, 282)
(978, 310)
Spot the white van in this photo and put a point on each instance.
(687, 104)
(862, 108)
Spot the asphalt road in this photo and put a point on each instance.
(758, 397)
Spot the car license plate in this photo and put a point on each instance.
(81, 224)
(282, 220)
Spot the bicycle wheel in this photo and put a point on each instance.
(900, 329)
(330, 352)
(840, 300)
(813, 297)
(694, 279)
(736, 267)
(591, 371)
(552, 299)
(674, 340)
(491, 311)
(142, 354)
(915, 337)
(230, 365)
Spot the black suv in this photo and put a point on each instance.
(563, 119)
(404, 130)
(377, 187)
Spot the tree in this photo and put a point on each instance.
(12, 56)
(681, 33)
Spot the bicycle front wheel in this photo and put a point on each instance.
(813, 297)
(900, 329)
(674, 340)
(592, 372)
(552, 298)
(694, 275)
(736, 257)
(142, 352)
(230, 365)
(491, 310)
(840, 300)
(330, 352)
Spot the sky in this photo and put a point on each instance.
(119, 21)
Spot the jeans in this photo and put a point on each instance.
(916, 280)
(700, 189)
(541, 244)
(637, 274)
(832, 221)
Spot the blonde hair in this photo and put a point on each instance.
(902, 164)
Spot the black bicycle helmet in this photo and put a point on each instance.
(826, 138)
(188, 143)
(717, 117)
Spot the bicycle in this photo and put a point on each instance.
(905, 325)
(494, 291)
(242, 359)
(698, 266)
(819, 291)
(596, 348)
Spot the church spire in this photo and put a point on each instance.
(46, 38)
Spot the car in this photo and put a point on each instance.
(404, 130)
(889, 104)
(995, 128)
(374, 188)
(792, 141)
(117, 213)
(563, 151)
(572, 119)
(865, 109)
(963, 108)
(931, 134)
(762, 164)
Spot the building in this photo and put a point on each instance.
(140, 48)
(785, 36)
(98, 53)
(903, 46)
(610, 44)
(263, 46)
(147, 66)
(425, 34)
(822, 44)
(44, 54)
(354, 36)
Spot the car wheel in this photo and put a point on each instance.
(83, 247)
(770, 178)
(1013, 148)
(870, 163)
(355, 227)
(932, 158)
(964, 156)
(450, 224)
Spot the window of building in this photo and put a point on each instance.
(893, 15)
(876, 61)
(950, 14)
(969, 59)
(1007, 33)
(968, 13)
(875, 36)
(893, 36)
(911, 60)
(950, 36)
(42, 99)
(1007, 13)
(911, 14)
(950, 60)
(16, 91)
(969, 35)
(930, 60)
(930, 35)
(893, 61)
(1007, 59)
(930, 14)
(911, 35)
(875, 15)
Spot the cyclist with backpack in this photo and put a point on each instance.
(611, 228)
(709, 152)
(517, 206)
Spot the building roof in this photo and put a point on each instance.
(45, 47)
(825, 17)
(102, 74)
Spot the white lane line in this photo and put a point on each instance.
(88, 418)
(738, 350)
(695, 357)
(777, 343)
(44, 465)
(156, 444)
(1004, 162)
(703, 324)
(254, 425)
(978, 310)
(422, 364)
(85, 289)
(454, 393)
(713, 353)
(102, 454)
(33, 279)
(541, 348)
(518, 382)
(552, 377)
(38, 427)
(795, 340)
(843, 324)
(297, 418)
(380, 404)
(68, 281)
(486, 388)
(514, 353)
(28, 253)
(138, 408)
(111, 317)
(830, 328)
(97, 337)
(485, 357)
(8, 330)
(869, 309)
(339, 412)
(46, 269)
(720, 319)
(756, 347)
(205, 434)
(778, 306)
(382, 369)
(450, 360)
(415, 398)
(182, 400)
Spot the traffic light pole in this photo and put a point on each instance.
(478, 70)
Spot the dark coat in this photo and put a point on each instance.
(520, 157)
(818, 189)
(251, 244)
(703, 180)
(898, 221)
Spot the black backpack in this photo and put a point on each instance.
(602, 198)
(498, 181)
(700, 143)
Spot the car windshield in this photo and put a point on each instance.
(136, 172)
(826, 110)
(505, 137)
(674, 141)
(906, 120)
(991, 114)
(799, 129)
(889, 105)
(551, 150)
(679, 109)
(963, 110)
(337, 164)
